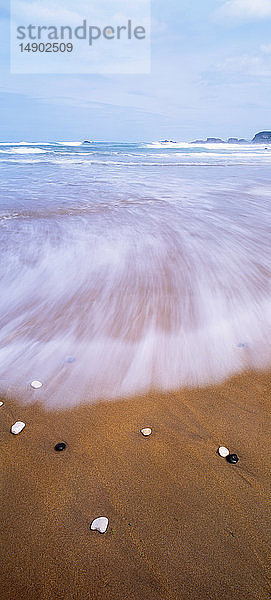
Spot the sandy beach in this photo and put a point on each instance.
(183, 522)
(135, 313)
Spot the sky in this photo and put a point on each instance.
(210, 76)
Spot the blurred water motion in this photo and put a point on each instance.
(148, 266)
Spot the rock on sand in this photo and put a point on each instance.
(100, 524)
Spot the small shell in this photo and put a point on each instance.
(146, 431)
(223, 451)
(100, 524)
(1, 403)
(17, 427)
(36, 384)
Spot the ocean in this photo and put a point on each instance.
(128, 267)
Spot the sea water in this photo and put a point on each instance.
(132, 267)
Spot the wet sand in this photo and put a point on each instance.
(183, 523)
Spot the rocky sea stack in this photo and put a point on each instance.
(264, 137)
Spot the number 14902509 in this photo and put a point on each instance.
(47, 47)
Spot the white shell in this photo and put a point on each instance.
(36, 384)
(100, 524)
(17, 427)
(223, 451)
(1, 403)
(146, 431)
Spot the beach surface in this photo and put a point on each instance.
(184, 524)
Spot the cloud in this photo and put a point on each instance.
(245, 67)
(266, 48)
(244, 10)
(237, 64)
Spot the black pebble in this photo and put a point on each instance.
(60, 446)
(232, 458)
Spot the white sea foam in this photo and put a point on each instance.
(147, 278)
(69, 143)
(168, 145)
(23, 150)
(26, 143)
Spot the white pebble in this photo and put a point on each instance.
(146, 431)
(36, 384)
(1, 403)
(100, 524)
(17, 427)
(222, 451)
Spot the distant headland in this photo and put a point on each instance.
(263, 137)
